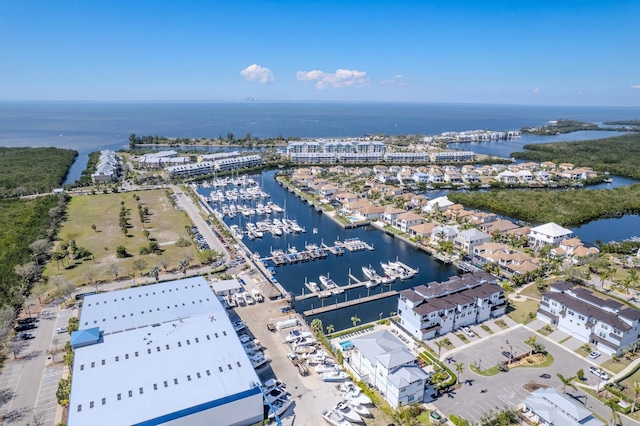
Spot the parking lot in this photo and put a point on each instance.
(504, 389)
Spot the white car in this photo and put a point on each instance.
(594, 354)
(598, 372)
(61, 330)
(468, 332)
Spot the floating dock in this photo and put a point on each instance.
(348, 303)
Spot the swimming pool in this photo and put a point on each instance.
(346, 345)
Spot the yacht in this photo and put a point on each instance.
(328, 283)
(257, 295)
(296, 335)
(327, 368)
(279, 407)
(258, 360)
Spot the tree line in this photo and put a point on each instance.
(28, 171)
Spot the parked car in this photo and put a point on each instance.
(507, 354)
(598, 372)
(271, 328)
(27, 320)
(545, 376)
(27, 336)
(468, 332)
(594, 354)
(24, 327)
(61, 330)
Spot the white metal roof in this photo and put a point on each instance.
(159, 362)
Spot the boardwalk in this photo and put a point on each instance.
(348, 303)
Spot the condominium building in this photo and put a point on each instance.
(428, 311)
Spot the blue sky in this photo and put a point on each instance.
(515, 52)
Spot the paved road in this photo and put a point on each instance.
(28, 384)
(506, 389)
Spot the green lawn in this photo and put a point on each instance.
(521, 311)
(491, 371)
(165, 225)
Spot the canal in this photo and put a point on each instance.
(293, 276)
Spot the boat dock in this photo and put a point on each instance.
(346, 304)
(356, 283)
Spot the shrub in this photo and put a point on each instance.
(121, 252)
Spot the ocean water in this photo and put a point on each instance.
(92, 126)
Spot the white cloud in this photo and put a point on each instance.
(397, 80)
(257, 73)
(536, 90)
(340, 78)
(637, 86)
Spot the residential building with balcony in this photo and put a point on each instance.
(607, 325)
(429, 311)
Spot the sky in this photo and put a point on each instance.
(499, 52)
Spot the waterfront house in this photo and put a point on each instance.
(391, 213)
(437, 205)
(542, 176)
(380, 359)
(440, 308)
(607, 325)
(466, 240)
(548, 234)
(548, 165)
(507, 177)
(419, 177)
(444, 233)
(423, 230)
(406, 220)
(367, 211)
(498, 226)
(486, 253)
(548, 406)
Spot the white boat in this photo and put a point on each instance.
(327, 368)
(270, 384)
(275, 393)
(359, 408)
(347, 412)
(239, 325)
(334, 376)
(328, 283)
(258, 360)
(312, 286)
(240, 299)
(257, 295)
(371, 274)
(304, 341)
(335, 418)
(360, 399)
(279, 407)
(231, 301)
(248, 298)
(296, 335)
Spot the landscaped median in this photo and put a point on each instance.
(432, 360)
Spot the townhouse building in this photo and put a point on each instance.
(607, 325)
(428, 311)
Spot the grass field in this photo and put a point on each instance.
(521, 311)
(164, 223)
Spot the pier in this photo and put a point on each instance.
(349, 303)
(355, 284)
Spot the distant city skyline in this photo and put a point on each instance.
(528, 52)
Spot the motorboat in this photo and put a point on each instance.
(275, 393)
(347, 412)
(304, 341)
(258, 360)
(327, 368)
(334, 376)
(231, 301)
(239, 325)
(328, 283)
(359, 408)
(257, 295)
(296, 335)
(279, 407)
(371, 274)
(248, 298)
(240, 299)
(335, 418)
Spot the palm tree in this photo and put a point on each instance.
(355, 320)
(316, 326)
(530, 341)
(330, 329)
(636, 389)
(440, 344)
(615, 416)
(566, 381)
(459, 368)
